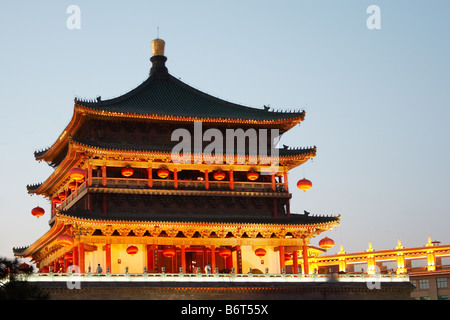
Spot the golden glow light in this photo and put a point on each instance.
(304, 184)
(77, 174)
(38, 212)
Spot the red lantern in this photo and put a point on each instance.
(163, 173)
(72, 185)
(65, 240)
(62, 195)
(326, 243)
(56, 200)
(77, 174)
(132, 250)
(38, 212)
(260, 252)
(252, 175)
(225, 252)
(127, 172)
(304, 184)
(169, 252)
(219, 175)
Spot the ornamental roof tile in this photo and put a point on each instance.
(167, 96)
(293, 219)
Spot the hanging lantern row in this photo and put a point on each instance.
(65, 240)
(219, 175)
(38, 212)
(252, 175)
(72, 186)
(304, 184)
(169, 252)
(260, 252)
(224, 252)
(77, 174)
(163, 173)
(326, 243)
(132, 250)
(127, 172)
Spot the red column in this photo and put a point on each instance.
(213, 258)
(175, 178)
(183, 258)
(76, 261)
(104, 176)
(90, 175)
(282, 261)
(231, 180)
(295, 262)
(206, 180)
(286, 184)
(273, 182)
(81, 256)
(149, 258)
(305, 259)
(108, 256)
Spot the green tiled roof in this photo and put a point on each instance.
(168, 96)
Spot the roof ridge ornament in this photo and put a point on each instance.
(158, 59)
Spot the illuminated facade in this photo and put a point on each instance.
(120, 197)
(428, 266)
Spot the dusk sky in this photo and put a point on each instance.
(377, 101)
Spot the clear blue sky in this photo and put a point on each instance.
(377, 101)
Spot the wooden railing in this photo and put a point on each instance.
(187, 184)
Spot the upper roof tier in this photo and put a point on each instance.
(164, 96)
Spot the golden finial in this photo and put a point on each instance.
(342, 250)
(399, 245)
(158, 47)
(370, 247)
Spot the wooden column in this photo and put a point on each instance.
(149, 258)
(273, 183)
(206, 180)
(155, 258)
(213, 258)
(89, 174)
(305, 258)
(239, 259)
(286, 189)
(175, 178)
(81, 257)
(104, 175)
(108, 257)
(282, 259)
(76, 261)
(286, 184)
(295, 262)
(183, 258)
(231, 180)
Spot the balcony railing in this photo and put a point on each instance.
(213, 277)
(167, 184)
(188, 185)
